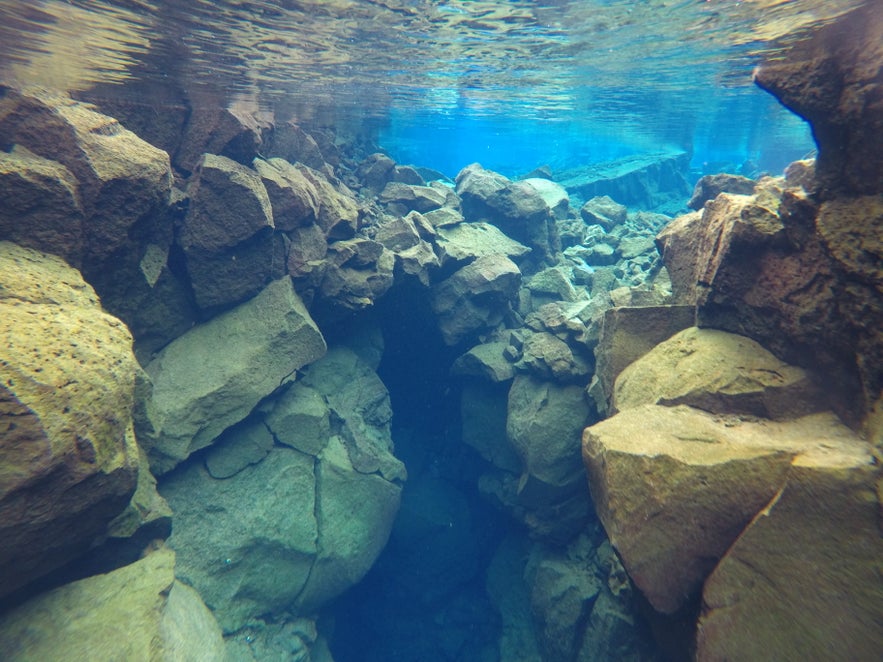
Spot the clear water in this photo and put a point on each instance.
(511, 84)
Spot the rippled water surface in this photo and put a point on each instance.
(565, 80)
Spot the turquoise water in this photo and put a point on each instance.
(511, 84)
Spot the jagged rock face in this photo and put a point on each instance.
(475, 298)
(294, 521)
(67, 380)
(804, 280)
(213, 376)
(138, 612)
(833, 81)
(79, 185)
(227, 235)
(710, 186)
(517, 208)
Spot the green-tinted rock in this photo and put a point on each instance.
(214, 375)
(138, 612)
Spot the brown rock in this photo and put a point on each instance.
(832, 80)
(802, 582)
(710, 186)
(68, 460)
(675, 487)
(718, 372)
(293, 197)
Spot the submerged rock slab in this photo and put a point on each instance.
(466, 241)
(675, 487)
(215, 374)
(138, 612)
(68, 459)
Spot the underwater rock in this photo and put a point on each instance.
(399, 198)
(293, 198)
(802, 580)
(138, 612)
(485, 361)
(227, 235)
(552, 284)
(710, 186)
(376, 171)
(675, 486)
(832, 80)
(554, 195)
(338, 210)
(649, 182)
(517, 208)
(548, 357)
(463, 242)
(213, 376)
(445, 217)
(718, 372)
(294, 529)
(483, 408)
(475, 298)
(794, 279)
(238, 447)
(628, 333)
(67, 382)
(40, 205)
(123, 180)
(407, 239)
(355, 273)
(290, 142)
(604, 211)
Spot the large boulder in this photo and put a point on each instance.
(676, 487)
(123, 180)
(67, 382)
(138, 612)
(408, 238)
(517, 208)
(227, 235)
(803, 279)
(802, 581)
(355, 273)
(710, 186)
(261, 527)
(463, 242)
(215, 374)
(718, 372)
(293, 198)
(475, 298)
(832, 80)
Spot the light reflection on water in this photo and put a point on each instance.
(640, 72)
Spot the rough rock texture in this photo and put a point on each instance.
(293, 198)
(67, 380)
(645, 182)
(718, 372)
(400, 198)
(804, 280)
(475, 298)
(627, 333)
(802, 581)
(122, 179)
(297, 523)
(338, 210)
(40, 205)
(464, 242)
(138, 612)
(486, 361)
(675, 487)
(355, 274)
(408, 239)
(214, 375)
(543, 425)
(227, 235)
(833, 81)
(604, 211)
(517, 208)
(710, 186)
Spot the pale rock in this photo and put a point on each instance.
(549, 357)
(462, 242)
(554, 195)
(604, 212)
(485, 361)
(138, 612)
(400, 198)
(675, 487)
(718, 372)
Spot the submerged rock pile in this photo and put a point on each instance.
(717, 376)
